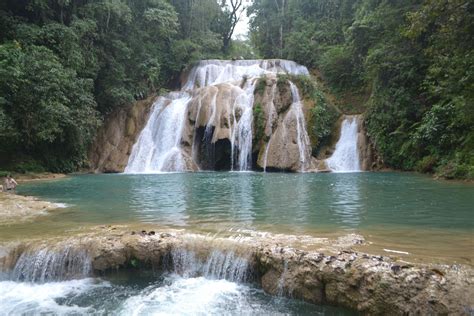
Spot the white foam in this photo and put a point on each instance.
(396, 251)
(62, 205)
(197, 296)
(346, 156)
(18, 298)
(158, 147)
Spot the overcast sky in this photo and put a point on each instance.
(242, 28)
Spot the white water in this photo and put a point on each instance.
(22, 298)
(269, 127)
(210, 72)
(158, 147)
(196, 286)
(175, 295)
(302, 135)
(45, 264)
(218, 265)
(346, 155)
(241, 135)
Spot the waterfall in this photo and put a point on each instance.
(210, 72)
(346, 155)
(46, 264)
(302, 135)
(217, 265)
(158, 146)
(269, 127)
(242, 130)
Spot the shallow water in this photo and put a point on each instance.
(146, 294)
(400, 211)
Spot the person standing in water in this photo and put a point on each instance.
(10, 184)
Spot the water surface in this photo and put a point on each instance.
(145, 294)
(407, 211)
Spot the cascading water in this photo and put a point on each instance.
(271, 110)
(218, 265)
(210, 72)
(302, 134)
(160, 145)
(346, 155)
(45, 264)
(241, 135)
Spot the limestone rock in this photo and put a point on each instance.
(115, 139)
(366, 283)
(281, 151)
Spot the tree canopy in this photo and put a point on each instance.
(413, 61)
(66, 64)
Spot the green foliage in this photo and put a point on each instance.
(261, 85)
(134, 262)
(28, 166)
(321, 121)
(414, 58)
(322, 115)
(65, 65)
(337, 65)
(242, 49)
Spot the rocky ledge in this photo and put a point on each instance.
(366, 283)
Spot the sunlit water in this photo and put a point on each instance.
(400, 211)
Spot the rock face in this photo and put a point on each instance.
(368, 156)
(369, 284)
(216, 128)
(229, 115)
(219, 114)
(114, 140)
(286, 143)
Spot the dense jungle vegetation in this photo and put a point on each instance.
(408, 63)
(66, 64)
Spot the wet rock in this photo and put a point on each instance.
(369, 284)
(114, 140)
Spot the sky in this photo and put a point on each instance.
(242, 27)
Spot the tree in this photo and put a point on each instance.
(230, 16)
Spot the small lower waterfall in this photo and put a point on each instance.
(51, 264)
(217, 265)
(346, 155)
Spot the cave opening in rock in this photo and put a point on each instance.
(212, 155)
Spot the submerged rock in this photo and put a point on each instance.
(17, 208)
